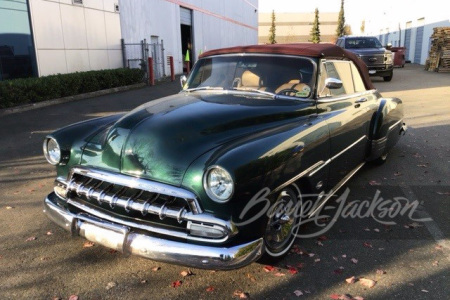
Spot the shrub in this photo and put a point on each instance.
(30, 90)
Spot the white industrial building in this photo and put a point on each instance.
(409, 25)
(197, 25)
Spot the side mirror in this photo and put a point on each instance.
(183, 81)
(333, 83)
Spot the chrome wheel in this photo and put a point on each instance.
(283, 224)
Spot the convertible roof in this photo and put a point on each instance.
(321, 50)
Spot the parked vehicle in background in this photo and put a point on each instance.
(215, 176)
(378, 59)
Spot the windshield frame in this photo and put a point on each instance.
(197, 65)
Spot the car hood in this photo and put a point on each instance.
(368, 51)
(160, 139)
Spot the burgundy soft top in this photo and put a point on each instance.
(321, 50)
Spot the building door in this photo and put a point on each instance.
(419, 42)
(186, 37)
(407, 39)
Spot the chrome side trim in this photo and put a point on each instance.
(337, 155)
(297, 177)
(124, 239)
(327, 100)
(139, 183)
(330, 194)
(394, 125)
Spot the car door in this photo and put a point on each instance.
(347, 111)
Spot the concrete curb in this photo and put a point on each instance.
(26, 107)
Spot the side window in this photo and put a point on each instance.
(343, 71)
(329, 69)
(357, 80)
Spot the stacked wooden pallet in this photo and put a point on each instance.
(439, 56)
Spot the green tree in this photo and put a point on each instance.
(363, 26)
(315, 31)
(272, 29)
(341, 21)
(347, 30)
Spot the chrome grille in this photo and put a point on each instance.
(131, 195)
(369, 59)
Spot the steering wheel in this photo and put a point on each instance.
(288, 92)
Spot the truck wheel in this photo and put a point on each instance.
(283, 224)
(389, 77)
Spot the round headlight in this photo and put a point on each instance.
(218, 184)
(52, 151)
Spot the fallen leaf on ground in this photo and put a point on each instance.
(49, 233)
(345, 297)
(354, 260)
(251, 277)
(186, 273)
(241, 294)
(9, 207)
(367, 282)
(358, 298)
(422, 166)
(425, 291)
(381, 272)
(88, 244)
(144, 281)
(335, 258)
(319, 243)
(438, 247)
(322, 238)
(352, 279)
(376, 230)
(154, 269)
(293, 270)
(300, 265)
(367, 245)
(73, 297)
(31, 238)
(279, 274)
(374, 182)
(176, 283)
(269, 268)
(397, 173)
(367, 229)
(344, 255)
(110, 285)
(210, 289)
(311, 254)
(335, 296)
(112, 251)
(317, 260)
(298, 293)
(443, 193)
(436, 263)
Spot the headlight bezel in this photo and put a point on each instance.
(207, 187)
(52, 158)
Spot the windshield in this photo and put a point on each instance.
(364, 42)
(263, 74)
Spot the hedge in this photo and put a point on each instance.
(31, 90)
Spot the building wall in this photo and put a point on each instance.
(215, 24)
(75, 37)
(392, 26)
(296, 27)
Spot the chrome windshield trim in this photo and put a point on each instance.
(139, 183)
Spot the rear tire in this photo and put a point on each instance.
(380, 160)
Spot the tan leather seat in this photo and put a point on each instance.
(292, 84)
(251, 81)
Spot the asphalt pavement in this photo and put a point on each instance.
(392, 248)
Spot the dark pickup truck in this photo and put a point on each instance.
(378, 59)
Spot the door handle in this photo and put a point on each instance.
(361, 100)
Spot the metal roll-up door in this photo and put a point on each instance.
(419, 43)
(185, 16)
(407, 42)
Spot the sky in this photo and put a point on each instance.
(355, 10)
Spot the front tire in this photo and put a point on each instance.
(283, 224)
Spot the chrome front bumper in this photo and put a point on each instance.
(124, 239)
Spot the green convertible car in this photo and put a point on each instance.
(216, 176)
